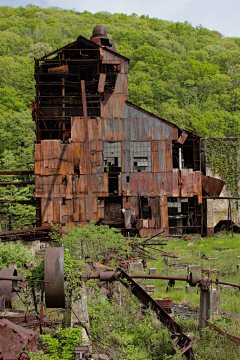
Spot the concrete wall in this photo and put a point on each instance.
(217, 210)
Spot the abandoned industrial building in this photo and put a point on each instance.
(100, 157)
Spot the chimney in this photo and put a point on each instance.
(99, 36)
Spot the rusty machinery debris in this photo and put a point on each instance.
(53, 285)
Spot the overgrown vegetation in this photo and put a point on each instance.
(129, 330)
(222, 157)
(92, 242)
(14, 252)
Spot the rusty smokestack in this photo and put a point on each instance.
(99, 36)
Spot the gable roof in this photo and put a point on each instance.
(89, 42)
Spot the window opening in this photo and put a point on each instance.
(145, 209)
(112, 157)
(140, 154)
(76, 170)
(112, 165)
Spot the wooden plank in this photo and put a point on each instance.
(101, 82)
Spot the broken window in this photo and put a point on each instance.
(140, 154)
(112, 165)
(112, 157)
(184, 215)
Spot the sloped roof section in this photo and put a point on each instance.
(190, 133)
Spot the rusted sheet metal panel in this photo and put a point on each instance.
(100, 206)
(38, 167)
(76, 212)
(212, 186)
(69, 205)
(141, 182)
(92, 129)
(46, 210)
(197, 185)
(159, 184)
(148, 184)
(120, 129)
(186, 176)
(113, 106)
(127, 219)
(127, 203)
(155, 205)
(63, 212)
(152, 128)
(14, 339)
(164, 213)
(37, 152)
(82, 158)
(126, 163)
(95, 208)
(56, 210)
(168, 159)
(101, 82)
(190, 183)
(151, 223)
(155, 162)
(99, 145)
(175, 184)
(100, 184)
(93, 146)
(77, 129)
(80, 185)
(121, 86)
(110, 58)
(82, 206)
(182, 138)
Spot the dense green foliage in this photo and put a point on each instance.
(59, 346)
(14, 252)
(190, 76)
(94, 242)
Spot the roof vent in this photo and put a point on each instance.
(99, 36)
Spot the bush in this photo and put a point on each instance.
(14, 252)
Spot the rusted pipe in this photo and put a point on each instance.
(225, 283)
(164, 277)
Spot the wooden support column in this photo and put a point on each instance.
(62, 123)
(87, 152)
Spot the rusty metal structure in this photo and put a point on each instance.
(100, 157)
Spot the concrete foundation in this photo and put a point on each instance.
(210, 307)
(134, 267)
(152, 271)
(150, 289)
(195, 268)
(79, 306)
(35, 246)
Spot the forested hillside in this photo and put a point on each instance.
(188, 75)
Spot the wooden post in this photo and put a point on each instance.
(87, 152)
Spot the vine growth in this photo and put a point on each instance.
(222, 157)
